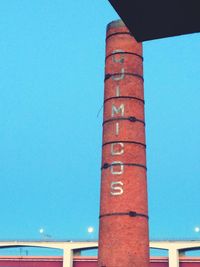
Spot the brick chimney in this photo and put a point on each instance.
(123, 233)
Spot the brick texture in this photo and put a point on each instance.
(123, 240)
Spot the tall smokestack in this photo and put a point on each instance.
(123, 237)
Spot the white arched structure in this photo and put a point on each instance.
(69, 247)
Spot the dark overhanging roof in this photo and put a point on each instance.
(153, 19)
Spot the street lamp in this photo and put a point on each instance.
(197, 229)
(90, 231)
(43, 234)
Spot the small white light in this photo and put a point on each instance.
(90, 229)
(41, 231)
(197, 229)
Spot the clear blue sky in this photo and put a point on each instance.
(51, 90)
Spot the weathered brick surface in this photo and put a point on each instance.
(123, 240)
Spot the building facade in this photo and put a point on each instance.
(82, 261)
(71, 250)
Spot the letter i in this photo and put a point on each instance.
(117, 91)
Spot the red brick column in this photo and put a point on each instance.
(123, 237)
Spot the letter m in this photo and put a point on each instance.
(119, 110)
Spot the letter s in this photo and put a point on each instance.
(116, 188)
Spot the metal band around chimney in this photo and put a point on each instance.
(117, 33)
(130, 213)
(109, 75)
(124, 53)
(131, 119)
(124, 97)
(124, 142)
(108, 165)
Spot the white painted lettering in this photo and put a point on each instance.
(119, 58)
(116, 188)
(117, 129)
(119, 76)
(117, 168)
(117, 90)
(117, 149)
(116, 110)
